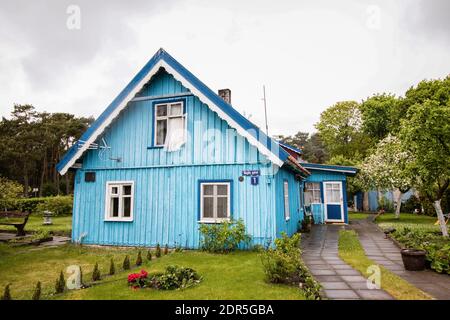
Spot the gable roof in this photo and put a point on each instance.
(328, 167)
(266, 145)
(288, 146)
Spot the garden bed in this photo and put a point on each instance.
(237, 275)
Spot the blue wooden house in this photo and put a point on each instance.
(169, 154)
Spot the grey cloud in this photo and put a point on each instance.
(41, 26)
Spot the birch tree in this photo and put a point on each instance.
(387, 168)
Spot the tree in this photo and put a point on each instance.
(9, 190)
(377, 116)
(425, 133)
(386, 168)
(340, 129)
(311, 146)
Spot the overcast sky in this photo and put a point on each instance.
(309, 54)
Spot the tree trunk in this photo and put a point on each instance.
(26, 184)
(44, 168)
(398, 202)
(440, 215)
(366, 201)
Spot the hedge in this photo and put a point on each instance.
(59, 205)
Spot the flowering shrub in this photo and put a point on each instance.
(173, 278)
(138, 280)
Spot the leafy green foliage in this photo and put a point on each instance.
(340, 130)
(37, 291)
(32, 143)
(96, 273)
(223, 237)
(283, 264)
(126, 263)
(313, 149)
(175, 277)
(112, 267)
(437, 247)
(60, 284)
(60, 205)
(6, 293)
(139, 259)
(9, 189)
(149, 255)
(158, 251)
(378, 116)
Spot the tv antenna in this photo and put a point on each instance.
(265, 109)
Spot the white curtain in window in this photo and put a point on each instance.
(175, 134)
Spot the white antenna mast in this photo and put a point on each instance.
(265, 109)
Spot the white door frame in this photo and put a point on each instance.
(341, 203)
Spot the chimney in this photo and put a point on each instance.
(225, 94)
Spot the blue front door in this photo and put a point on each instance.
(334, 209)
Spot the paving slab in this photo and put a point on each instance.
(338, 279)
(388, 255)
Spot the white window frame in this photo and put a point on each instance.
(119, 184)
(167, 117)
(314, 191)
(287, 213)
(215, 219)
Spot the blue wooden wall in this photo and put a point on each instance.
(166, 202)
(321, 176)
(295, 206)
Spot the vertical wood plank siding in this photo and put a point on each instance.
(321, 176)
(166, 199)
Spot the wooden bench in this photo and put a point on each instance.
(9, 218)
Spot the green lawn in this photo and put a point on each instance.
(352, 252)
(62, 225)
(412, 221)
(233, 276)
(358, 215)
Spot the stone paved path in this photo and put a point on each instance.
(384, 252)
(338, 279)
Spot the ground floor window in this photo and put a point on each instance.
(286, 200)
(215, 201)
(312, 193)
(119, 201)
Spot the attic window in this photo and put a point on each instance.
(169, 125)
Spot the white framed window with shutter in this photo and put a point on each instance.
(215, 201)
(169, 125)
(287, 214)
(119, 201)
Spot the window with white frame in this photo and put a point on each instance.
(119, 201)
(286, 200)
(214, 201)
(169, 125)
(312, 193)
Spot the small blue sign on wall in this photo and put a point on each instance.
(254, 180)
(252, 173)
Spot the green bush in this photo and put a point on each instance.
(126, 263)
(175, 277)
(6, 294)
(60, 283)
(436, 246)
(149, 255)
(60, 205)
(139, 259)
(112, 268)
(166, 249)
(96, 273)
(283, 264)
(158, 251)
(37, 292)
(223, 237)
